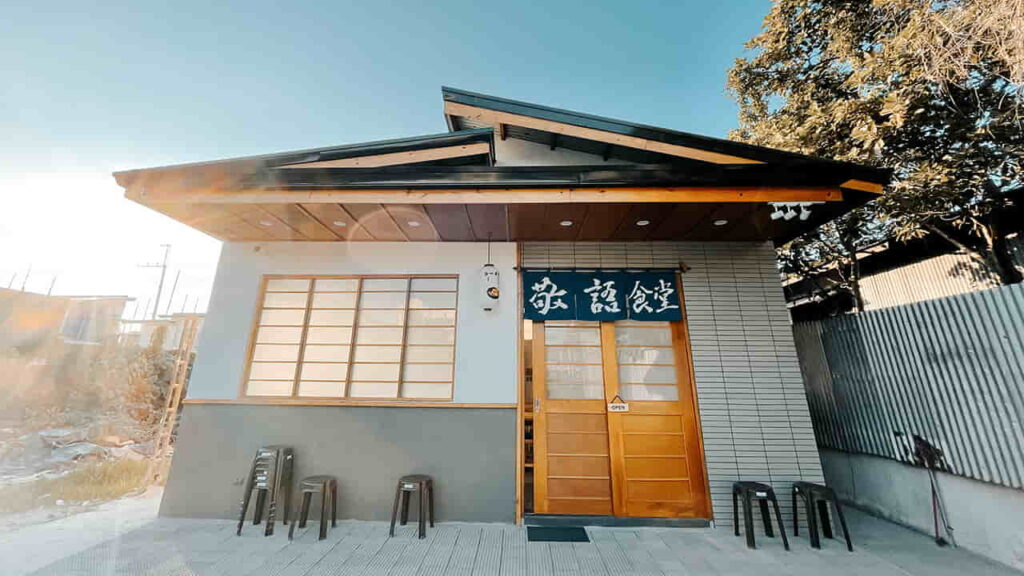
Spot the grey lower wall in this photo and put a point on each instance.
(987, 519)
(470, 452)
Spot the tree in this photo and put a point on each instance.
(931, 90)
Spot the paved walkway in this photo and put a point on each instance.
(31, 547)
(176, 547)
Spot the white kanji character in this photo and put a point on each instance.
(602, 297)
(547, 296)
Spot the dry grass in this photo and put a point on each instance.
(97, 481)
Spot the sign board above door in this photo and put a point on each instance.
(601, 296)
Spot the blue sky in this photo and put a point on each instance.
(89, 90)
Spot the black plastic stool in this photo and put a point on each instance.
(270, 475)
(327, 487)
(421, 484)
(763, 493)
(817, 496)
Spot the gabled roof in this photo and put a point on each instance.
(612, 137)
(672, 185)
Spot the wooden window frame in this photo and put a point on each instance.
(345, 399)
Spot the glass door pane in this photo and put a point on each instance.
(572, 361)
(646, 359)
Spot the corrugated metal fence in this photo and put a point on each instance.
(950, 370)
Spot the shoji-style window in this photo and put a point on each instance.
(368, 337)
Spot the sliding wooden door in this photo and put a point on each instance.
(657, 462)
(572, 474)
(646, 462)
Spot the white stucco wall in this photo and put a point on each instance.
(515, 152)
(485, 350)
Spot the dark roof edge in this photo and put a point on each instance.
(338, 152)
(653, 133)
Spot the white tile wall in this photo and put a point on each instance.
(753, 409)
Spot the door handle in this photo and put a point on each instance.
(536, 405)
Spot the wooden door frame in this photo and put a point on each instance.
(684, 368)
(682, 345)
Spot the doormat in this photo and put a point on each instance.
(556, 534)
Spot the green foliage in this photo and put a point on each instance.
(924, 88)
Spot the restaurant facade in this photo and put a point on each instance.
(550, 313)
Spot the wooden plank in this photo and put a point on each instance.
(494, 117)
(375, 220)
(296, 218)
(526, 221)
(489, 221)
(414, 222)
(451, 222)
(680, 221)
(258, 218)
(555, 214)
(286, 401)
(863, 186)
(611, 390)
(398, 158)
(628, 229)
(540, 423)
(338, 220)
(582, 195)
(601, 221)
(734, 214)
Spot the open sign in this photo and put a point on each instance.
(618, 407)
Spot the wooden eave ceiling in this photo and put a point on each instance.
(499, 222)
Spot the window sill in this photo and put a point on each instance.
(255, 401)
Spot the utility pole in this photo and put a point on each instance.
(25, 279)
(173, 288)
(163, 272)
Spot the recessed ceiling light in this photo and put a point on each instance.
(565, 223)
(413, 223)
(720, 222)
(266, 223)
(642, 222)
(340, 223)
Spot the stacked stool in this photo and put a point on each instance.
(271, 478)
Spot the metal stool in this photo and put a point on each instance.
(763, 493)
(327, 487)
(812, 494)
(422, 484)
(271, 474)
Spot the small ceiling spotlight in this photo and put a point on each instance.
(266, 223)
(720, 222)
(414, 223)
(642, 222)
(339, 223)
(565, 223)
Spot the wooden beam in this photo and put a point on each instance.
(501, 195)
(397, 158)
(494, 117)
(863, 186)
